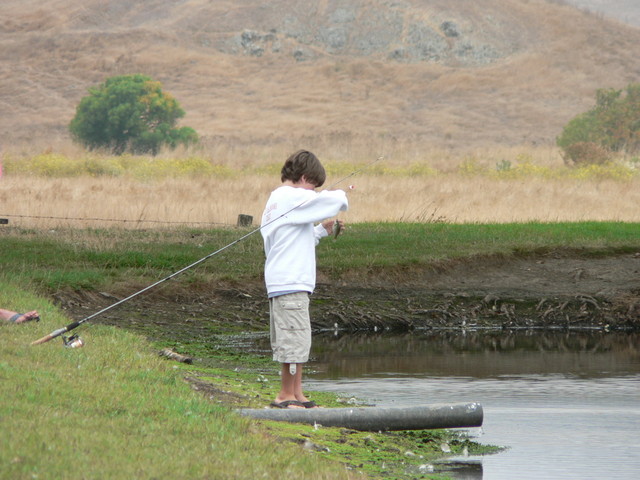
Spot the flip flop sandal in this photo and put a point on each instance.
(287, 404)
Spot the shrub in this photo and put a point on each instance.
(129, 113)
(503, 166)
(52, 165)
(585, 153)
(471, 167)
(613, 125)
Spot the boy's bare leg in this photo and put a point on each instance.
(297, 385)
(290, 384)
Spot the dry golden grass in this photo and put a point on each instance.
(28, 202)
(440, 189)
(485, 200)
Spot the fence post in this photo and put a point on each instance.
(245, 220)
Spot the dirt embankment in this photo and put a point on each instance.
(544, 291)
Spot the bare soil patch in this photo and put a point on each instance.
(544, 291)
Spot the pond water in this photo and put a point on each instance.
(566, 404)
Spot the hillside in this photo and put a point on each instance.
(448, 74)
(627, 11)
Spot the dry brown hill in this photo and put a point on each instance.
(453, 74)
(627, 11)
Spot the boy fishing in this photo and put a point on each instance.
(290, 236)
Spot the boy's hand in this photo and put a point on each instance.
(333, 227)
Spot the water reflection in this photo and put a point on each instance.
(567, 404)
(476, 354)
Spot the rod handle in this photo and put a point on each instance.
(51, 336)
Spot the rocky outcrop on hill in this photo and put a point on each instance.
(388, 30)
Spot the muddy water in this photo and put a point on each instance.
(567, 405)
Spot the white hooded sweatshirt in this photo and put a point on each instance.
(290, 237)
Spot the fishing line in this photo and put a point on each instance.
(73, 325)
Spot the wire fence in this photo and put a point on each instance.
(243, 220)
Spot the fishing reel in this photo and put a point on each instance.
(74, 341)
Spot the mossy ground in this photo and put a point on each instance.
(388, 455)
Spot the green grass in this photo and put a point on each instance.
(90, 259)
(115, 410)
(395, 245)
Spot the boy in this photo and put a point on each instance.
(290, 238)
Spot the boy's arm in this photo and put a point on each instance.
(319, 207)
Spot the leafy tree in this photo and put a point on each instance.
(129, 113)
(613, 125)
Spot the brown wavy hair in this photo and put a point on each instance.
(303, 163)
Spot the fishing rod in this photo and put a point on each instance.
(77, 342)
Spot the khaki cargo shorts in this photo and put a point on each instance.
(290, 327)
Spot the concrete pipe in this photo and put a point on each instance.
(421, 417)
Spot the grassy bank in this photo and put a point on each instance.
(51, 260)
(115, 409)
